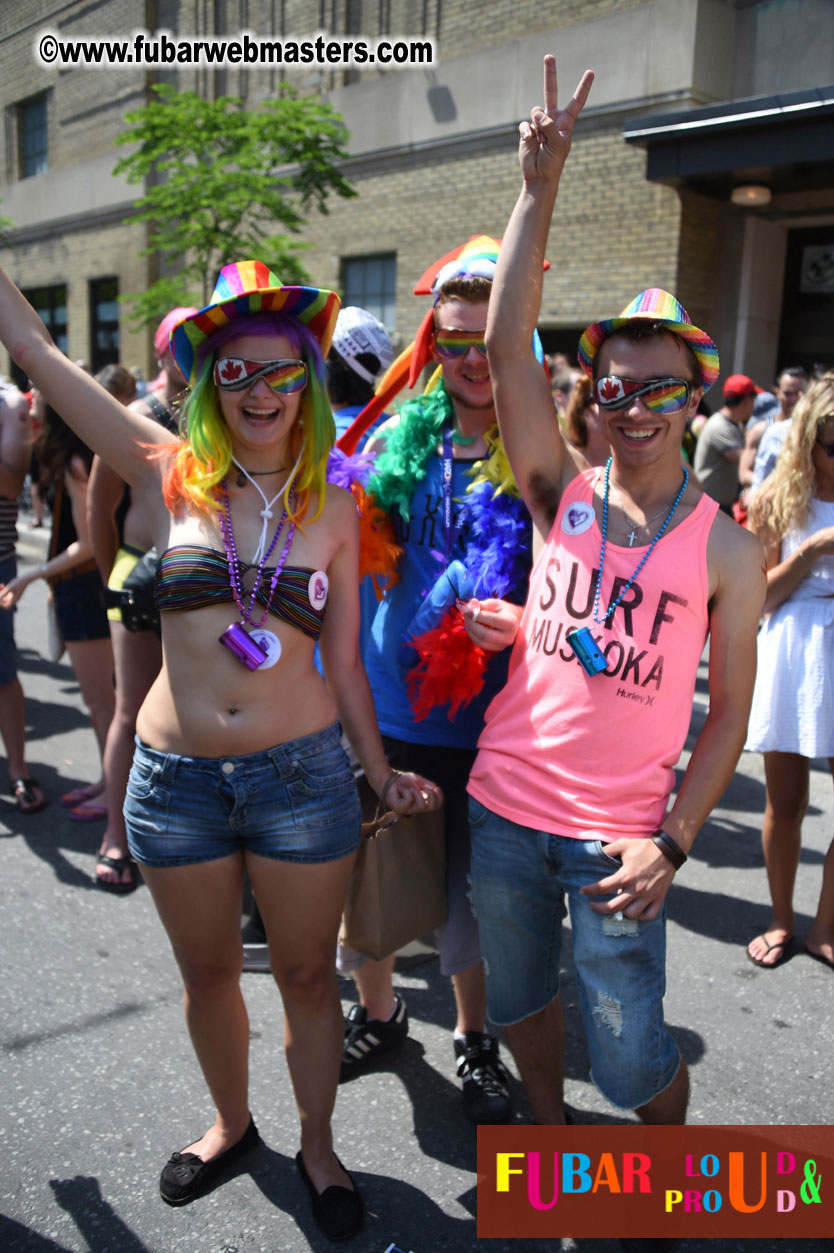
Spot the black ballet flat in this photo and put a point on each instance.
(186, 1176)
(338, 1212)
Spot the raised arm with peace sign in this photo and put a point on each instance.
(526, 415)
(546, 138)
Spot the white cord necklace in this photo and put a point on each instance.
(266, 512)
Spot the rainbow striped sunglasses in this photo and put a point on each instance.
(451, 344)
(235, 374)
(664, 395)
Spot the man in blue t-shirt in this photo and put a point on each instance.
(433, 538)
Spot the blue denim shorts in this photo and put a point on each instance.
(520, 879)
(295, 802)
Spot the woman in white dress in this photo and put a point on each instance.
(792, 719)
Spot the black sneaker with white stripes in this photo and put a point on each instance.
(366, 1037)
(486, 1097)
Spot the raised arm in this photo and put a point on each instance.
(100, 420)
(526, 414)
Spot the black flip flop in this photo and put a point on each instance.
(119, 864)
(785, 945)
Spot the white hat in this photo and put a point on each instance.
(358, 332)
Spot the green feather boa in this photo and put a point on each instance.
(411, 443)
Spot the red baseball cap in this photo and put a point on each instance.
(737, 386)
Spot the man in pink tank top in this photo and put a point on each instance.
(571, 787)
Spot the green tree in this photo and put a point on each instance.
(220, 178)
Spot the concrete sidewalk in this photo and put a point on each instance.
(100, 1085)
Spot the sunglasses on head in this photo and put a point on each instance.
(451, 344)
(235, 374)
(663, 395)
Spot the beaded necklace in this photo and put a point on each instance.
(587, 651)
(257, 647)
(646, 554)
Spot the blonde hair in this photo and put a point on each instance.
(784, 499)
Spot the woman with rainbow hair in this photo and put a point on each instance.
(238, 761)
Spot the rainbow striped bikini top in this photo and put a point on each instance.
(192, 576)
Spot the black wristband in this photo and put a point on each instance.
(669, 848)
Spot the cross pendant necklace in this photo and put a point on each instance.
(635, 526)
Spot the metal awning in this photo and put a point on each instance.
(784, 141)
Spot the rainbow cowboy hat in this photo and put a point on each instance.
(246, 287)
(653, 305)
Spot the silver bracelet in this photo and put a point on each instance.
(387, 785)
(804, 558)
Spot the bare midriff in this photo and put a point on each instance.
(206, 703)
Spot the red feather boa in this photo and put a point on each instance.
(450, 670)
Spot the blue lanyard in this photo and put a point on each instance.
(610, 611)
(450, 530)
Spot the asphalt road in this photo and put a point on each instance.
(99, 1084)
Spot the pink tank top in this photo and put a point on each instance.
(593, 757)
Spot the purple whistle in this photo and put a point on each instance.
(243, 646)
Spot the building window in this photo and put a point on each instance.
(50, 304)
(32, 132)
(371, 283)
(353, 26)
(104, 323)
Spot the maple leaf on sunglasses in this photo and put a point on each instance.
(230, 371)
(610, 389)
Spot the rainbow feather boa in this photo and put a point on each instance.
(449, 668)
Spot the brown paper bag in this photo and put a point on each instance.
(398, 889)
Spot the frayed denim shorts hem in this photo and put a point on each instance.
(295, 802)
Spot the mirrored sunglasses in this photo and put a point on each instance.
(664, 395)
(234, 374)
(452, 344)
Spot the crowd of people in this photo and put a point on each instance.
(528, 531)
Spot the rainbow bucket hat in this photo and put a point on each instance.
(653, 305)
(244, 288)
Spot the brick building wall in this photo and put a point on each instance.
(612, 235)
(85, 112)
(426, 182)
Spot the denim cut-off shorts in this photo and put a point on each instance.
(295, 802)
(520, 879)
